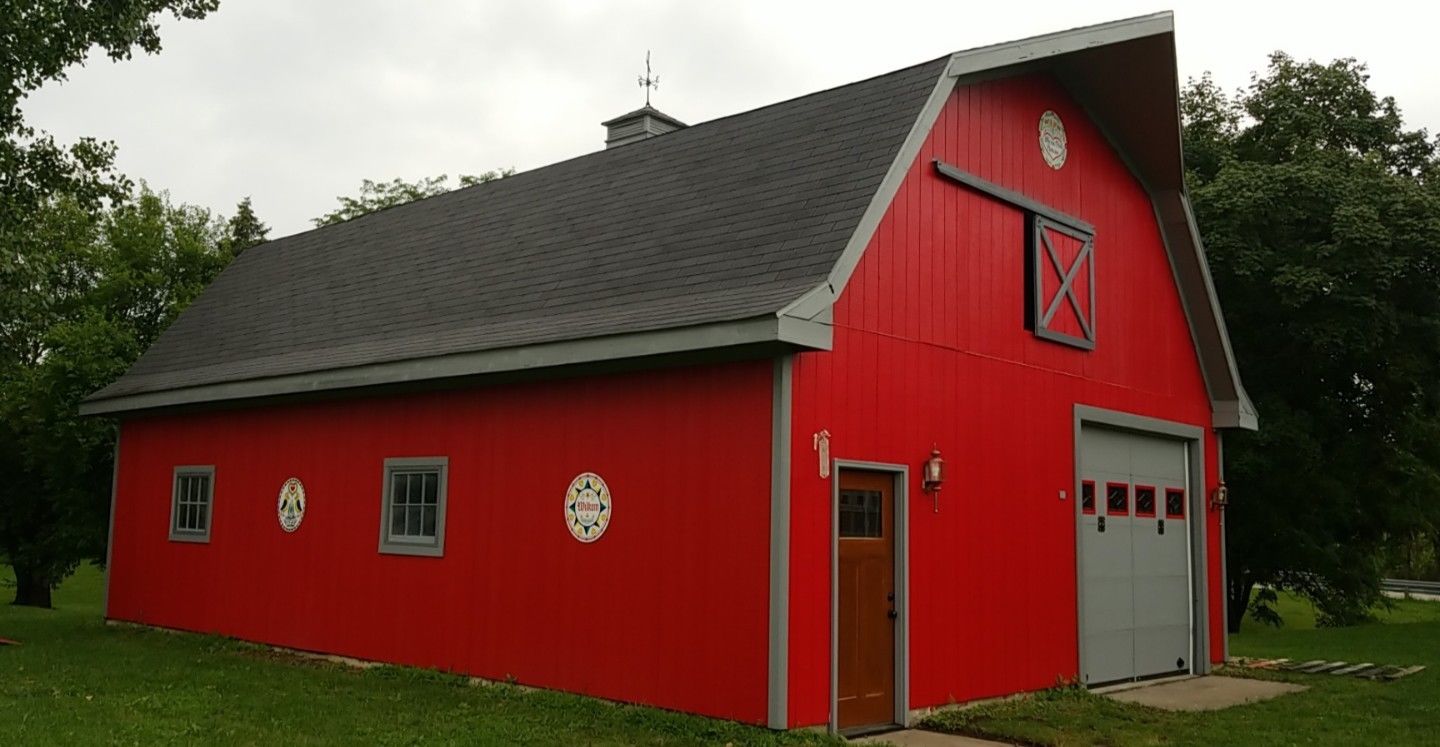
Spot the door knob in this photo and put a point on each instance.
(893, 614)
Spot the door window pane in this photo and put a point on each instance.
(860, 513)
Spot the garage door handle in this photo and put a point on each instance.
(1160, 526)
(1101, 523)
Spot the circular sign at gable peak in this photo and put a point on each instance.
(1052, 139)
(587, 507)
(291, 509)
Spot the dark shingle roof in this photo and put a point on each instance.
(726, 220)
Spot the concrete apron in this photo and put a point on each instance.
(922, 738)
(1202, 693)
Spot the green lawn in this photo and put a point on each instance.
(1335, 711)
(74, 680)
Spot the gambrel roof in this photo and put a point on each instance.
(734, 233)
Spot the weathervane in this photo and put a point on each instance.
(648, 81)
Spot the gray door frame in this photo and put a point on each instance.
(901, 475)
(1194, 438)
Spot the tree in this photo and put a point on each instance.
(103, 285)
(380, 195)
(50, 199)
(244, 229)
(1321, 218)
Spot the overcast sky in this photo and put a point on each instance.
(295, 102)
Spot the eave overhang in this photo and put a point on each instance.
(766, 334)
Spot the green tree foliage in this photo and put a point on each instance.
(244, 229)
(107, 284)
(1322, 221)
(40, 39)
(380, 195)
(55, 342)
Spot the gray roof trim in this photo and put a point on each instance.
(767, 329)
(975, 63)
(819, 300)
(1230, 405)
(986, 59)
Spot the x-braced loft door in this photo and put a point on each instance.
(1135, 556)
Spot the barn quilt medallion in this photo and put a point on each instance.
(1052, 139)
(291, 509)
(587, 507)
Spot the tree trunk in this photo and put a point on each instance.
(31, 589)
(1238, 602)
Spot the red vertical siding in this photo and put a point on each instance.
(930, 347)
(668, 608)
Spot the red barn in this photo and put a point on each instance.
(661, 423)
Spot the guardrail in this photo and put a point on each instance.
(1404, 586)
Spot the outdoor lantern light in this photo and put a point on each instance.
(934, 476)
(1221, 497)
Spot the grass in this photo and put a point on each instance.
(1334, 711)
(75, 680)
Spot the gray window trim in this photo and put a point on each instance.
(426, 548)
(188, 535)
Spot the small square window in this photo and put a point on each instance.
(1117, 499)
(1087, 497)
(860, 512)
(1174, 503)
(192, 503)
(1144, 500)
(412, 511)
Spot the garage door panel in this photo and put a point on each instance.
(1110, 656)
(1135, 575)
(1162, 650)
(1161, 601)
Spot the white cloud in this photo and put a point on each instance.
(294, 103)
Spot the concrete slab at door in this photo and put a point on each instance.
(922, 738)
(1205, 693)
(866, 575)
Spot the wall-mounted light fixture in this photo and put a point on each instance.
(934, 476)
(1221, 497)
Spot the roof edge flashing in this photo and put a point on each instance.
(797, 333)
(988, 59)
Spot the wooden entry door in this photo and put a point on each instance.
(866, 626)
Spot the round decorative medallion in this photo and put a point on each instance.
(1052, 139)
(587, 507)
(292, 504)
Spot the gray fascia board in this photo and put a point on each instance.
(787, 330)
(967, 64)
(1246, 409)
(823, 296)
(985, 59)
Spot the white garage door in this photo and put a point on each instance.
(1135, 591)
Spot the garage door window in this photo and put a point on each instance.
(1174, 503)
(1087, 497)
(1117, 499)
(1144, 500)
